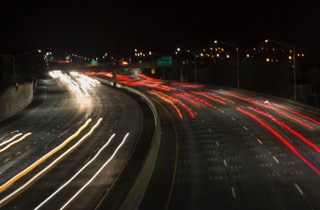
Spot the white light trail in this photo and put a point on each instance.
(43, 158)
(17, 191)
(12, 143)
(72, 178)
(11, 139)
(96, 174)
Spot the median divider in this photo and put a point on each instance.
(139, 187)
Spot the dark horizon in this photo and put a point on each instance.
(94, 28)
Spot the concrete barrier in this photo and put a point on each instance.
(14, 99)
(139, 187)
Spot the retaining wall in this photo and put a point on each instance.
(14, 99)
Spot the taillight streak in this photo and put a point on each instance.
(290, 146)
(269, 107)
(288, 128)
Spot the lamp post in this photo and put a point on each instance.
(294, 63)
(237, 61)
(195, 62)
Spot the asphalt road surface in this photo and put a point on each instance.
(231, 149)
(76, 142)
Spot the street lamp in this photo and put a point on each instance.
(294, 63)
(237, 51)
(195, 62)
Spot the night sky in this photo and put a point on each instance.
(91, 28)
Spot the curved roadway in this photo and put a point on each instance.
(76, 142)
(230, 149)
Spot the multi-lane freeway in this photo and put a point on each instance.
(231, 149)
(68, 147)
(220, 148)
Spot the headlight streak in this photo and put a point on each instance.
(12, 143)
(269, 107)
(288, 128)
(167, 100)
(42, 159)
(96, 174)
(83, 82)
(11, 139)
(290, 146)
(17, 191)
(74, 176)
(84, 89)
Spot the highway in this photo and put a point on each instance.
(231, 149)
(69, 146)
(220, 148)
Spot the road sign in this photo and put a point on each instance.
(94, 63)
(164, 61)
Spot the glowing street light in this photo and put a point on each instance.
(195, 62)
(289, 46)
(237, 51)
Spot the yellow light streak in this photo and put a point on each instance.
(43, 158)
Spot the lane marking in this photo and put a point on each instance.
(217, 143)
(210, 130)
(225, 162)
(233, 192)
(259, 141)
(244, 127)
(299, 189)
(275, 159)
(233, 118)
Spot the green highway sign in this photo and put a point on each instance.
(164, 61)
(94, 63)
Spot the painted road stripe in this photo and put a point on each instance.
(299, 189)
(233, 192)
(275, 159)
(225, 162)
